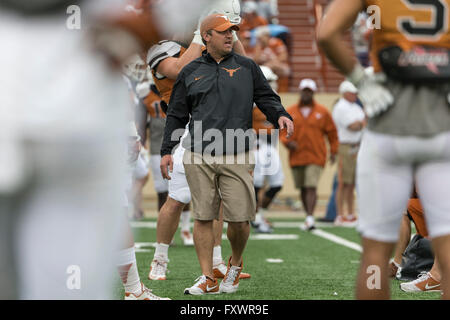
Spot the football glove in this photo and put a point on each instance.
(374, 96)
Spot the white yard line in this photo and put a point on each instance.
(336, 239)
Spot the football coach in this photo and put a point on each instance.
(215, 94)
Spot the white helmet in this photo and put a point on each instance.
(231, 8)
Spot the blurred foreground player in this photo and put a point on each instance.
(406, 97)
(61, 146)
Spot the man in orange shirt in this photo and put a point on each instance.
(250, 17)
(273, 53)
(307, 148)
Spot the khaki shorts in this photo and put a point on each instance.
(347, 155)
(306, 176)
(211, 181)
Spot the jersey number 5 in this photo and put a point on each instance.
(425, 30)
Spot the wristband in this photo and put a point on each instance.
(356, 75)
(197, 38)
(235, 37)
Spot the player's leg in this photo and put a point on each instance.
(400, 247)
(381, 209)
(185, 226)
(140, 175)
(167, 225)
(161, 185)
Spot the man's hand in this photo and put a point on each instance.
(292, 145)
(166, 161)
(285, 122)
(374, 96)
(332, 158)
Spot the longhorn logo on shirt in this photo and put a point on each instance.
(231, 71)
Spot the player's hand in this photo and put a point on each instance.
(374, 96)
(166, 162)
(285, 122)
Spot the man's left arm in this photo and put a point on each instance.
(269, 102)
(332, 135)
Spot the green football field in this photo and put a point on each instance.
(311, 266)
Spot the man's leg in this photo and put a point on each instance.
(204, 244)
(162, 198)
(400, 247)
(340, 200)
(373, 281)
(310, 199)
(138, 185)
(168, 220)
(238, 233)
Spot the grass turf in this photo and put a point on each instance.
(313, 268)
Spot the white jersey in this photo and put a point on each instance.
(62, 110)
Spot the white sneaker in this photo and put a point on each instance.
(230, 283)
(187, 238)
(146, 294)
(424, 283)
(203, 285)
(309, 224)
(158, 269)
(264, 227)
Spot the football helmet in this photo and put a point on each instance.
(231, 8)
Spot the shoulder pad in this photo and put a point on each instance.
(161, 51)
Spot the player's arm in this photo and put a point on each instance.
(239, 48)
(172, 66)
(339, 17)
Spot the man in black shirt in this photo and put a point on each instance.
(215, 94)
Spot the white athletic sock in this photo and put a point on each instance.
(310, 220)
(128, 271)
(162, 251)
(258, 218)
(186, 220)
(217, 255)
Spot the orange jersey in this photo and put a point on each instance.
(415, 210)
(309, 135)
(153, 104)
(260, 122)
(407, 23)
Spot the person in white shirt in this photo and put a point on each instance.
(350, 121)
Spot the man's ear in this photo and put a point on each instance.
(206, 36)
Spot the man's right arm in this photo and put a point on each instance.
(177, 116)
